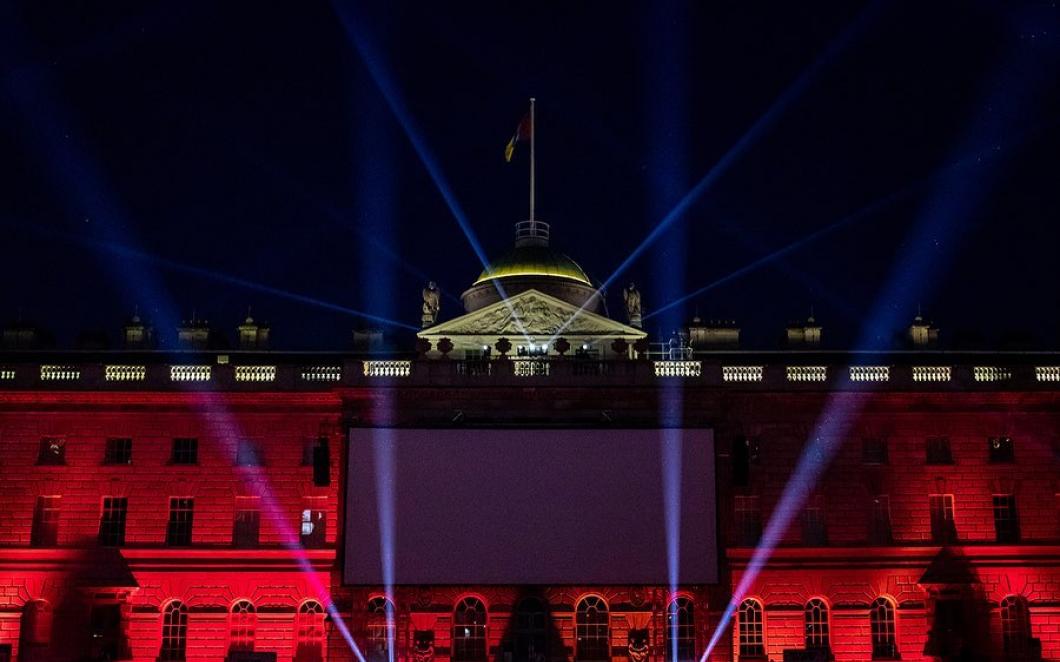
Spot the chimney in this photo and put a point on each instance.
(713, 335)
(804, 334)
(253, 335)
(136, 334)
(922, 334)
(367, 340)
(193, 333)
(20, 335)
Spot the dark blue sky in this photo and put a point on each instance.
(251, 140)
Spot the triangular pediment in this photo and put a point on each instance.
(535, 314)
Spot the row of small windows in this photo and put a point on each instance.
(114, 513)
(185, 451)
(940, 508)
(1013, 612)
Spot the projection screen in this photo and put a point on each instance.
(541, 506)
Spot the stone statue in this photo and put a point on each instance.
(632, 298)
(432, 300)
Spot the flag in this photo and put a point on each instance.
(522, 132)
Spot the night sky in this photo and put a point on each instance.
(201, 157)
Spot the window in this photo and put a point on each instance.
(873, 451)
(380, 629)
(816, 620)
(938, 450)
(881, 628)
(181, 514)
(748, 521)
(309, 632)
(814, 531)
(52, 452)
(317, 454)
(247, 524)
(1001, 450)
(531, 630)
(314, 528)
(943, 528)
(185, 451)
(118, 451)
(174, 632)
(36, 630)
(745, 452)
(680, 631)
(45, 531)
(1006, 518)
(1015, 627)
(592, 628)
(241, 623)
(249, 454)
(751, 630)
(112, 521)
(880, 520)
(469, 631)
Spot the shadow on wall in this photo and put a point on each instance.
(531, 634)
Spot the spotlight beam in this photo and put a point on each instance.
(373, 62)
(749, 138)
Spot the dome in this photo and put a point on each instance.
(534, 261)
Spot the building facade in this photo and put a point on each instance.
(189, 505)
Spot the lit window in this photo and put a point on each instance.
(751, 630)
(174, 632)
(1006, 518)
(309, 632)
(45, 531)
(112, 521)
(680, 631)
(313, 528)
(943, 527)
(1015, 627)
(241, 624)
(882, 630)
(592, 626)
(816, 619)
(469, 631)
(380, 629)
(181, 516)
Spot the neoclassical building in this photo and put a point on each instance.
(194, 503)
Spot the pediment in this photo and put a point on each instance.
(531, 313)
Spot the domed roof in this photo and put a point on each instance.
(534, 260)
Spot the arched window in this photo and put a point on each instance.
(751, 630)
(1015, 626)
(241, 624)
(531, 630)
(680, 631)
(174, 632)
(380, 629)
(592, 625)
(36, 630)
(469, 631)
(816, 624)
(309, 632)
(881, 627)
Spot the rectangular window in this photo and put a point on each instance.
(52, 451)
(181, 514)
(748, 521)
(814, 532)
(249, 454)
(247, 525)
(744, 454)
(118, 451)
(943, 527)
(321, 463)
(46, 522)
(112, 521)
(1001, 450)
(938, 451)
(185, 451)
(880, 521)
(1006, 518)
(873, 451)
(313, 528)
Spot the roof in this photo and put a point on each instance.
(534, 261)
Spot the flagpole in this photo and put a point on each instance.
(533, 138)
